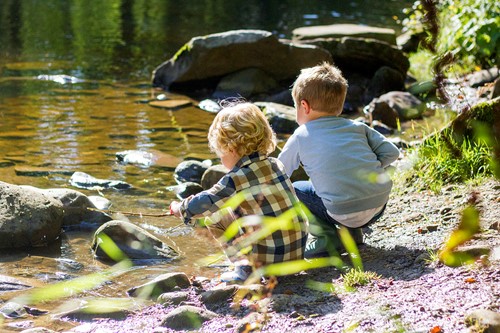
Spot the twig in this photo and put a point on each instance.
(107, 211)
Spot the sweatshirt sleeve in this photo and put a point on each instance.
(207, 202)
(289, 155)
(385, 150)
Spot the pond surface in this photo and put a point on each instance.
(112, 46)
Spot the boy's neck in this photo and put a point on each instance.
(305, 113)
(313, 115)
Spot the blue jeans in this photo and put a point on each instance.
(307, 195)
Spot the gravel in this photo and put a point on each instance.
(414, 291)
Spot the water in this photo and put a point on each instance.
(112, 47)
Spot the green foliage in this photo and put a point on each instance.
(432, 257)
(357, 277)
(419, 65)
(466, 149)
(468, 227)
(469, 29)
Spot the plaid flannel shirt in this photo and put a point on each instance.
(268, 192)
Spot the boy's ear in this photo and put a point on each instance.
(305, 104)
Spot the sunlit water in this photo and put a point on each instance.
(56, 129)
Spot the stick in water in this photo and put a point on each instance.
(107, 211)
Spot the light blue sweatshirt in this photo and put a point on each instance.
(345, 161)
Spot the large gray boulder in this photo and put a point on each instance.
(216, 55)
(28, 218)
(77, 206)
(363, 54)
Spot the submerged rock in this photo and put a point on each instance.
(62, 79)
(190, 171)
(8, 283)
(148, 158)
(133, 242)
(86, 181)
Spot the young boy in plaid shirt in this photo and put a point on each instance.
(242, 138)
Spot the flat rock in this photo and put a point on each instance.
(344, 30)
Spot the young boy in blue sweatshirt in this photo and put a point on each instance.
(344, 159)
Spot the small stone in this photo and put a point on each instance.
(487, 319)
(218, 295)
(164, 283)
(495, 226)
(173, 298)
(187, 317)
(445, 210)
(432, 228)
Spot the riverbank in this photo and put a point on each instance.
(414, 292)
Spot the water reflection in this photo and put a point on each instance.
(126, 39)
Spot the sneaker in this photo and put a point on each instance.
(321, 246)
(324, 246)
(238, 275)
(357, 235)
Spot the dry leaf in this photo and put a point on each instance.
(436, 329)
(170, 103)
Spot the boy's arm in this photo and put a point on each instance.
(207, 202)
(289, 155)
(385, 150)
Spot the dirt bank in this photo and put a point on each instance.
(413, 294)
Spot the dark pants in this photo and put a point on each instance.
(324, 223)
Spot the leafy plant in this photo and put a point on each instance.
(471, 31)
(469, 226)
(356, 277)
(432, 257)
(466, 30)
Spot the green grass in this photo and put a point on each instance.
(356, 277)
(440, 161)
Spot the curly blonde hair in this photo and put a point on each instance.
(323, 87)
(241, 128)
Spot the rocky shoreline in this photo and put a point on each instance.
(413, 291)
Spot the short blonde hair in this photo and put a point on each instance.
(241, 128)
(323, 87)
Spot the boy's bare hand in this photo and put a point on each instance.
(174, 208)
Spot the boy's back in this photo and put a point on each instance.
(345, 161)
